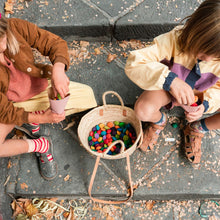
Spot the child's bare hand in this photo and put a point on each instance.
(52, 117)
(193, 116)
(47, 117)
(60, 81)
(182, 92)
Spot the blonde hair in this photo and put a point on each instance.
(201, 32)
(12, 43)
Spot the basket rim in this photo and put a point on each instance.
(118, 156)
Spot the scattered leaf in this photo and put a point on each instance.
(66, 178)
(84, 43)
(31, 210)
(17, 207)
(9, 164)
(97, 51)
(150, 205)
(123, 44)
(24, 186)
(66, 214)
(111, 57)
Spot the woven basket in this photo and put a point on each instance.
(105, 114)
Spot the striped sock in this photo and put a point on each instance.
(162, 121)
(199, 126)
(49, 157)
(40, 145)
(36, 126)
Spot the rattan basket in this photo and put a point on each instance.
(104, 114)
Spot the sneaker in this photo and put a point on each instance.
(27, 129)
(48, 169)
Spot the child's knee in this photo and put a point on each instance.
(144, 111)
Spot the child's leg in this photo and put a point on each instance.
(10, 147)
(147, 108)
(194, 133)
(213, 122)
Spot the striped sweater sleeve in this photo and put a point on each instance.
(143, 66)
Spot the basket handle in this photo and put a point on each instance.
(114, 93)
(141, 139)
(107, 201)
(114, 143)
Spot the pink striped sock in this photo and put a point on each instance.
(40, 145)
(36, 126)
(49, 157)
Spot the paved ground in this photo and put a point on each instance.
(164, 174)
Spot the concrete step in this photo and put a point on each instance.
(131, 19)
(161, 174)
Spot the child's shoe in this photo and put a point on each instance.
(193, 139)
(34, 130)
(47, 164)
(151, 135)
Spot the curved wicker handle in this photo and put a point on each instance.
(114, 93)
(107, 201)
(114, 143)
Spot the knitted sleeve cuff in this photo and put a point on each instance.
(206, 105)
(169, 79)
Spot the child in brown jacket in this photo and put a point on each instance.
(23, 88)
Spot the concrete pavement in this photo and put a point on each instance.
(164, 174)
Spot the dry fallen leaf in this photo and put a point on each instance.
(135, 44)
(66, 178)
(84, 43)
(123, 44)
(97, 51)
(8, 7)
(66, 214)
(24, 186)
(31, 210)
(111, 57)
(17, 207)
(9, 164)
(71, 215)
(150, 205)
(49, 215)
(124, 54)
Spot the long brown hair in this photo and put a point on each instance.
(201, 32)
(12, 43)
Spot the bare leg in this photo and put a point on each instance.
(213, 122)
(147, 107)
(10, 147)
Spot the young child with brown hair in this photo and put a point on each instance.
(23, 89)
(178, 65)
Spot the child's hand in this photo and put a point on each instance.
(60, 81)
(182, 92)
(47, 117)
(193, 116)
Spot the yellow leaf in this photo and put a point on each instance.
(31, 210)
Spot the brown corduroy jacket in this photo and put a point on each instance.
(29, 36)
